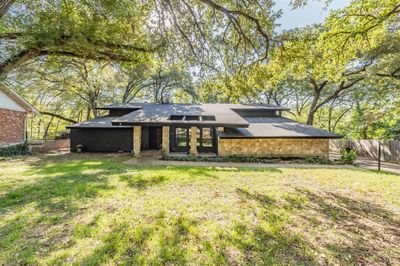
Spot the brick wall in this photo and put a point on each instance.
(274, 147)
(12, 126)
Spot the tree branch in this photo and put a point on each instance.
(4, 6)
(59, 116)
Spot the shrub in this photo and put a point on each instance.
(348, 156)
(79, 148)
(15, 150)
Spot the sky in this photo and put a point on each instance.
(313, 12)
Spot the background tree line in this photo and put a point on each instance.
(67, 57)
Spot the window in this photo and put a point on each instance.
(182, 137)
(192, 118)
(176, 117)
(207, 137)
(208, 118)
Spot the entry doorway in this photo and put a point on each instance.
(151, 138)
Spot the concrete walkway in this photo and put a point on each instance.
(372, 164)
(368, 163)
(158, 162)
(361, 162)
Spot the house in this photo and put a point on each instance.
(224, 129)
(13, 114)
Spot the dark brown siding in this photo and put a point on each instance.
(102, 139)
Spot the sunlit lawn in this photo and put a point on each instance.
(96, 210)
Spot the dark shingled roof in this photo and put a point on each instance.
(100, 122)
(276, 127)
(160, 114)
(225, 116)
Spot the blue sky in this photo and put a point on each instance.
(313, 12)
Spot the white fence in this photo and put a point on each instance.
(390, 149)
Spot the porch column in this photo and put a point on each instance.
(165, 141)
(137, 139)
(193, 141)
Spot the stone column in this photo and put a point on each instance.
(165, 141)
(137, 140)
(193, 141)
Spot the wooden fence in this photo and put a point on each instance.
(390, 149)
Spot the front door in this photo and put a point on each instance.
(155, 138)
(151, 138)
(206, 139)
(181, 139)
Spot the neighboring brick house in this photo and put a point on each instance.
(13, 114)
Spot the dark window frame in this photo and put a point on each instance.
(200, 142)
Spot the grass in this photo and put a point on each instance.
(91, 210)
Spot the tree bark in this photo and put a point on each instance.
(46, 131)
(314, 104)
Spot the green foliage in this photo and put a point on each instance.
(348, 157)
(342, 75)
(15, 150)
(79, 148)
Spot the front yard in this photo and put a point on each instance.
(90, 210)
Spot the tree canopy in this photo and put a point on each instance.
(67, 57)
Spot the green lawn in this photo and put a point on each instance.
(90, 210)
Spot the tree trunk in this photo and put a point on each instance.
(46, 131)
(310, 118)
(330, 118)
(313, 108)
(314, 105)
(88, 113)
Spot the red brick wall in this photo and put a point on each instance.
(12, 126)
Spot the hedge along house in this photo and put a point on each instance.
(223, 129)
(14, 111)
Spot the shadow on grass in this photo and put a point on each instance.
(371, 232)
(370, 229)
(53, 199)
(141, 182)
(127, 244)
(279, 244)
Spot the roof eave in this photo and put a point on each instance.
(281, 137)
(20, 100)
(183, 124)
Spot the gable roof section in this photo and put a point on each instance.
(18, 99)
(122, 106)
(159, 114)
(277, 127)
(100, 122)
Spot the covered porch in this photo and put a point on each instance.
(180, 141)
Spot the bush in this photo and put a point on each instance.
(348, 156)
(79, 148)
(15, 150)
